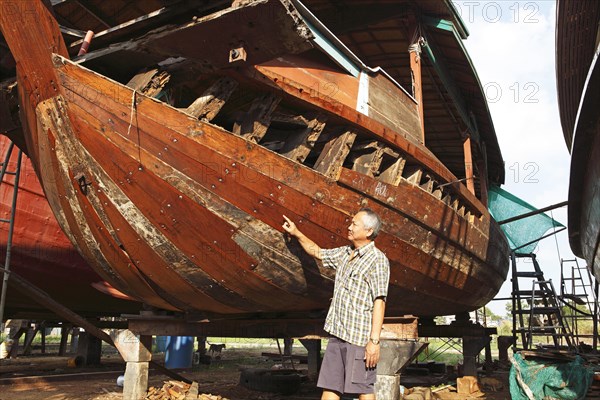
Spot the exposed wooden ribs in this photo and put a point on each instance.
(392, 173)
(334, 154)
(367, 157)
(257, 119)
(207, 106)
(298, 146)
(413, 175)
(150, 83)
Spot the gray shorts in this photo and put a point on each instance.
(344, 371)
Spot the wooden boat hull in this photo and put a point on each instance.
(42, 254)
(185, 215)
(584, 183)
(578, 82)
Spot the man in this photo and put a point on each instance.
(356, 312)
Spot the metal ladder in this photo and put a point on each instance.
(529, 307)
(577, 291)
(11, 220)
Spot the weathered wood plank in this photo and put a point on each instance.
(150, 83)
(298, 146)
(369, 157)
(413, 174)
(220, 255)
(207, 106)
(393, 173)
(97, 248)
(395, 138)
(256, 121)
(334, 154)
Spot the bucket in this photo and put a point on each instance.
(179, 352)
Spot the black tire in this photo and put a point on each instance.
(272, 381)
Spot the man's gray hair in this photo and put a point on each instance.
(371, 221)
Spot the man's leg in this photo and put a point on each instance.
(329, 395)
(370, 396)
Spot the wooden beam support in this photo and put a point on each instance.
(334, 154)
(37, 294)
(207, 106)
(469, 165)
(414, 50)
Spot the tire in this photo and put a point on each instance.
(273, 381)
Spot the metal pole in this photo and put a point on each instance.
(595, 317)
(538, 239)
(10, 229)
(529, 214)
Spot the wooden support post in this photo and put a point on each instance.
(89, 348)
(74, 340)
(64, 337)
(472, 346)
(469, 165)
(207, 106)
(394, 355)
(25, 287)
(201, 345)
(136, 352)
(43, 338)
(18, 328)
(29, 336)
(314, 357)
(414, 50)
(332, 157)
(482, 173)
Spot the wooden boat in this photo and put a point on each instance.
(42, 254)
(578, 83)
(174, 192)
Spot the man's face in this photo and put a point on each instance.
(357, 231)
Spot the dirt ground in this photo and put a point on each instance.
(221, 377)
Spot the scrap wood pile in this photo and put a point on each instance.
(175, 390)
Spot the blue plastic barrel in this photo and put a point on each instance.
(179, 352)
(161, 343)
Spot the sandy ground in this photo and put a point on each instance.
(219, 378)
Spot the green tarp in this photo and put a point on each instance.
(537, 379)
(504, 205)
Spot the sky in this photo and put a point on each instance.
(512, 45)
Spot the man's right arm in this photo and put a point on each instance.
(308, 245)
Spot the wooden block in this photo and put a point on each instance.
(467, 385)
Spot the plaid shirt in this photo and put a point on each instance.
(358, 282)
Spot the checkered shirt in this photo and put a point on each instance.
(358, 282)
